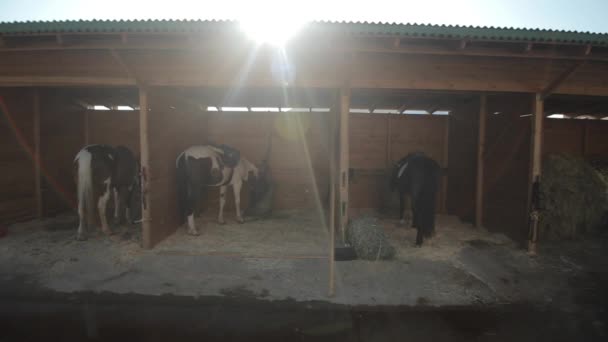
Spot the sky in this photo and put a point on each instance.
(578, 15)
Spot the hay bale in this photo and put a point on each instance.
(574, 197)
(366, 236)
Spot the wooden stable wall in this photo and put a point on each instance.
(378, 140)
(583, 138)
(114, 127)
(507, 165)
(462, 152)
(17, 183)
(61, 137)
(170, 131)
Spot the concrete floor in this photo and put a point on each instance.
(284, 258)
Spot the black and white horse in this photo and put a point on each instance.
(204, 166)
(99, 171)
(417, 175)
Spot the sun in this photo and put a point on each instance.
(275, 31)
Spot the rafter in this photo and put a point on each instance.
(550, 88)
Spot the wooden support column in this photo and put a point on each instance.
(332, 199)
(344, 158)
(145, 168)
(535, 170)
(37, 174)
(444, 177)
(481, 141)
(389, 147)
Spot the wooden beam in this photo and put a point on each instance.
(396, 43)
(37, 173)
(550, 88)
(535, 169)
(389, 141)
(445, 165)
(332, 196)
(32, 81)
(477, 51)
(145, 169)
(588, 50)
(127, 69)
(481, 141)
(344, 158)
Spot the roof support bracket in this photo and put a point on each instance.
(550, 88)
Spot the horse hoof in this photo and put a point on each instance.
(193, 232)
(221, 222)
(240, 220)
(81, 238)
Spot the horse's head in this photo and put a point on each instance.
(394, 171)
(231, 156)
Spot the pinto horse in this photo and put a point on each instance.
(100, 170)
(202, 166)
(418, 175)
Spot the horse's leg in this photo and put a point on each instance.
(194, 195)
(102, 205)
(117, 203)
(401, 207)
(220, 216)
(81, 220)
(236, 187)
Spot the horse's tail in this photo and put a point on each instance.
(182, 185)
(84, 183)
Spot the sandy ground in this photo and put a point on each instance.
(284, 258)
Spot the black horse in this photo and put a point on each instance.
(418, 176)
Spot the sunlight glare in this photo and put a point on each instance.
(275, 31)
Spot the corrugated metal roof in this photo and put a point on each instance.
(353, 28)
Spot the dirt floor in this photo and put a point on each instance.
(284, 257)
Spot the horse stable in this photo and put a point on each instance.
(331, 111)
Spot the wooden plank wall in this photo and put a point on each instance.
(17, 202)
(114, 127)
(61, 137)
(171, 130)
(506, 164)
(369, 145)
(463, 131)
(583, 138)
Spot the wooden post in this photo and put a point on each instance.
(145, 168)
(344, 158)
(535, 172)
(481, 140)
(332, 201)
(389, 147)
(37, 175)
(444, 178)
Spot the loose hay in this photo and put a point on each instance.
(370, 242)
(574, 197)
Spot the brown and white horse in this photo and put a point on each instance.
(100, 170)
(204, 166)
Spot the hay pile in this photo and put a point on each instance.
(366, 236)
(574, 197)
